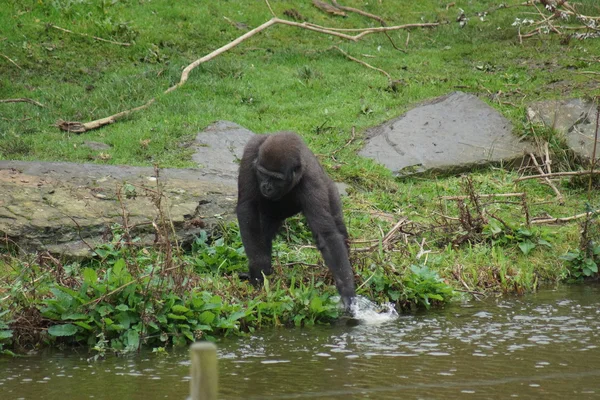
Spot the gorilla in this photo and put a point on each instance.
(279, 177)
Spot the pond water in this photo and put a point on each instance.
(544, 345)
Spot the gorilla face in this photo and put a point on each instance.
(274, 185)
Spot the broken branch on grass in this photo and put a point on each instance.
(557, 175)
(559, 196)
(22, 100)
(385, 241)
(517, 194)
(345, 145)
(368, 15)
(564, 219)
(90, 36)
(9, 59)
(78, 127)
(364, 63)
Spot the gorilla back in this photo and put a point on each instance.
(279, 177)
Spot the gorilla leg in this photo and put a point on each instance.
(257, 230)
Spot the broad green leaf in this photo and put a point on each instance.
(73, 316)
(206, 317)
(119, 266)
(133, 339)
(236, 315)
(527, 246)
(83, 325)
(62, 330)
(177, 317)
(90, 276)
(122, 307)
(5, 334)
(179, 309)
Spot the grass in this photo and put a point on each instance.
(288, 79)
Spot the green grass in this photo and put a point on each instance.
(290, 79)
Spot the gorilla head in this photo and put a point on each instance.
(278, 165)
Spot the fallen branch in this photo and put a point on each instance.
(90, 36)
(359, 12)
(9, 59)
(78, 127)
(556, 175)
(364, 63)
(22, 100)
(559, 196)
(385, 240)
(517, 194)
(563, 219)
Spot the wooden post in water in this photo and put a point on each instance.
(204, 371)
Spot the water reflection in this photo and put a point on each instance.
(542, 345)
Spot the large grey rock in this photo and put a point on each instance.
(65, 208)
(575, 118)
(449, 134)
(219, 148)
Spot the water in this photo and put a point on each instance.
(544, 345)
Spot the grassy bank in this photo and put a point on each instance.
(285, 78)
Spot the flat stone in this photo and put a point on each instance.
(449, 134)
(66, 208)
(574, 118)
(219, 148)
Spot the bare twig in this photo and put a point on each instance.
(563, 219)
(270, 9)
(368, 15)
(22, 100)
(78, 127)
(517, 194)
(594, 151)
(9, 59)
(385, 240)
(346, 144)
(559, 196)
(364, 63)
(90, 36)
(360, 12)
(328, 8)
(556, 175)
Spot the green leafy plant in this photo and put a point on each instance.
(424, 287)
(525, 239)
(580, 265)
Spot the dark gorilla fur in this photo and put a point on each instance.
(280, 177)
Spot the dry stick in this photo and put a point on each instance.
(86, 35)
(360, 12)
(364, 63)
(559, 196)
(368, 15)
(270, 9)
(556, 175)
(78, 127)
(22, 100)
(9, 59)
(517, 194)
(547, 160)
(594, 152)
(563, 219)
(385, 240)
(345, 145)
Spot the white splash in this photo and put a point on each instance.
(370, 313)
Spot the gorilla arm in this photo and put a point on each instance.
(331, 242)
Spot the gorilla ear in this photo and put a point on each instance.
(296, 173)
